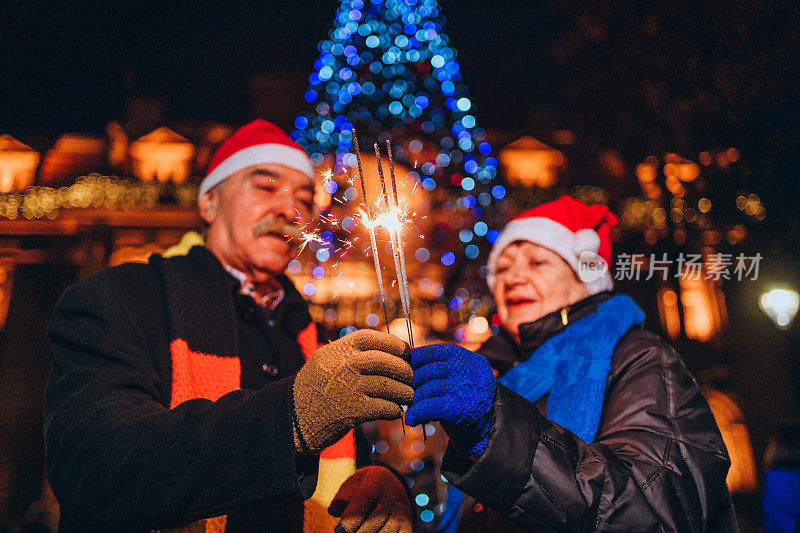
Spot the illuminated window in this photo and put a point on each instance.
(531, 163)
(72, 156)
(704, 311)
(17, 164)
(162, 155)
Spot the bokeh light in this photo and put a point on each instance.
(387, 66)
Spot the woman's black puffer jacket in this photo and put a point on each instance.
(657, 463)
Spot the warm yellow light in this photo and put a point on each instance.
(669, 313)
(680, 168)
(475, 337)
(479, 325)
(72, 155)
(736, 234)
(531, 163)
(742, 477)
(162, 155)
(18, 164)
(323, 198)
(398, 328)
(646, 172)
(703, 304)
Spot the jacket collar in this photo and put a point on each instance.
(534, 334)
(503, 352)
(201, 303)
(290, 310)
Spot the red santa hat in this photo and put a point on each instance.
(579, 233)
(253, 144)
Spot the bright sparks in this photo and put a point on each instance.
(306, 238)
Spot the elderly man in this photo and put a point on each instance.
(193, 389)
(593, 423)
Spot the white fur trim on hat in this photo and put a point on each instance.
(553, 236)
(258, 154)
(585, 240)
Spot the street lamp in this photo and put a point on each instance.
(780, 305)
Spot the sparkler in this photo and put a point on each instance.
(385, 212)
(371, 226)
(305, 237)
(392, 221)
(402, 272)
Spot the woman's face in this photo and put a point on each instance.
(531, 282)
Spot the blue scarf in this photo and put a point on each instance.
(573, 368)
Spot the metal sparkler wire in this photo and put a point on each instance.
(371, 228)
(393, 239)
(374, 246)
(403, 273)
(397, 251)
(401, 249)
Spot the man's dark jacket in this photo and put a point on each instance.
(119, 458)
(657, 463)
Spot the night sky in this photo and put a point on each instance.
(70, 67)
(636, 77)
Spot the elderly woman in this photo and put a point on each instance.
(593, 423)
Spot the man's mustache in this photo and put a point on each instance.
(272, 225)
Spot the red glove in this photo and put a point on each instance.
(372, 500)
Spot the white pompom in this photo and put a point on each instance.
(586, 240)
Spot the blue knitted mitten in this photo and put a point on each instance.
(456, 387)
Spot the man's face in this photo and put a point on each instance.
(531, 282)
(250, 214)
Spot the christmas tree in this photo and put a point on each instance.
(387, 70)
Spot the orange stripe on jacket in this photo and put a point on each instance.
(200, 375)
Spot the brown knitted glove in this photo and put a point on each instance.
(361, 377)
(371, 500)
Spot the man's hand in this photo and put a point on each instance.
(456, 387)
(371, 500)
(361, 377)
